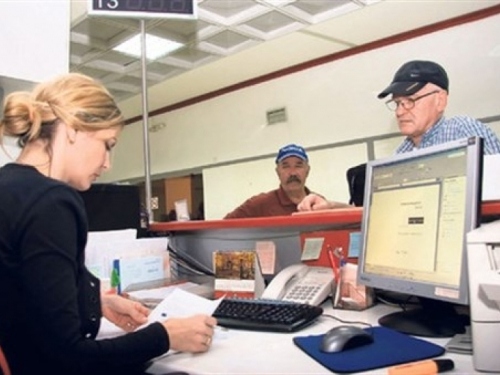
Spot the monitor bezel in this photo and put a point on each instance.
(474, 148)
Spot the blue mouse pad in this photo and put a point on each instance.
(389, 348)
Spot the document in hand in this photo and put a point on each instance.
(177, 304)
(181, 304)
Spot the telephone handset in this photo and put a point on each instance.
(301, 283)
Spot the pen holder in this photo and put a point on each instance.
(348, 294)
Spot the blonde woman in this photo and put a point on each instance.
(51, 304)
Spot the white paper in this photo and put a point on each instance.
(181, 210)
(177, 304)
(491, 178)
(182, 304)
(112, 235)
(162, 292)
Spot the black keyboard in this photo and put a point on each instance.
(265, 315)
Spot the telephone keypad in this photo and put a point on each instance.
(302, 293)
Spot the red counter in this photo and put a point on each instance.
(199, 239)
(330, 218)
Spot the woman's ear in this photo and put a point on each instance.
(71, 134)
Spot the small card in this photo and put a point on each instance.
(137, 270)
(181, 210)
(266, 250)
(237, 274)
(312, 248)
(354, 245)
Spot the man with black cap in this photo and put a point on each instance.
(419, 92)
(292, 167)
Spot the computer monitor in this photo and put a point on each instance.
(417, 211)
(113, 207)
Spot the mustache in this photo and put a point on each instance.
(293, 179)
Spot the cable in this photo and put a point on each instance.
(348, 321)
(187, 262)
(402, 302)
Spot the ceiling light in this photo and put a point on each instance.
(155, 46)
(278, 3)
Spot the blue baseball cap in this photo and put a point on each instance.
(291, 150)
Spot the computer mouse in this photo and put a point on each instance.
(343, 338)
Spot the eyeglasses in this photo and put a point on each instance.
(406, 103)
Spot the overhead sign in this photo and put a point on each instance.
(186, 9)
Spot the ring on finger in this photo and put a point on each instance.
(209, 340)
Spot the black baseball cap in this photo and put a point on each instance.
(414, 75)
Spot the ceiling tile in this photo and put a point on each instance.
(227, 27)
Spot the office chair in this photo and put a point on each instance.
(4, 366)
(356, 181)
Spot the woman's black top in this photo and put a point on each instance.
(50, 307)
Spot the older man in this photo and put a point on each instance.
(292, 168)
(419, 92)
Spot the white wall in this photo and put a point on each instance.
(34, 37)
(328, 106)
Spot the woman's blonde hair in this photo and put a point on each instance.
(76, 99)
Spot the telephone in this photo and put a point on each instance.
(301, 283)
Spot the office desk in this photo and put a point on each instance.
(248, 352)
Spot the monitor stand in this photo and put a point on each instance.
(432, 319)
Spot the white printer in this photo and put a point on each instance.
(491, 178)
(483, 257)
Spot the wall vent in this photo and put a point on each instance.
(275, 116)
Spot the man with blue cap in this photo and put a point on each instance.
(292, 167)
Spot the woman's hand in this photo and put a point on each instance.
(124, 313)
(193, 334)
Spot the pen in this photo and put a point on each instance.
(333, 263)
(427, 367)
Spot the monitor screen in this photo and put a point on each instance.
(113, 207)
(417, 211)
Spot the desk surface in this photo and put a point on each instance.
(248, 352)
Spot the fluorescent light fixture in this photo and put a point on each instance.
(155, 46)
(278, 3)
